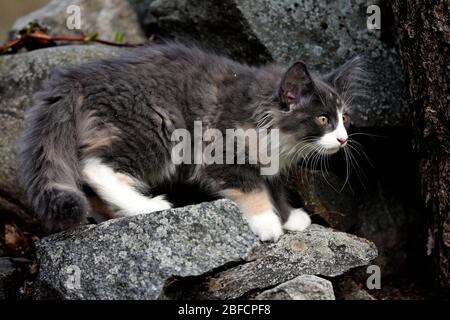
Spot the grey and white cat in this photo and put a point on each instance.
(108, 124)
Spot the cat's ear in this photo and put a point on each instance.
(295, 82)
(349, 75)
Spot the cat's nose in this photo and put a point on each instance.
(342, 140)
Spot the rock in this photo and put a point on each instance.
(20, 76)
(205, 250)
(132, 258)
(104, 17)
(147, 20)
(218, 25)
(317, 251)
(17, 243)
(305, 287)
(324, 34)
(12, 277)
(347, 289)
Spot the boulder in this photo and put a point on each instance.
(133, 258)
(180, 253)
(317, 251)
(347, 289)
(102, 17)
(204, 250)
(305, 287)
(20, 77)
(324, 34)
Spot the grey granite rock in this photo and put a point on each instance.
(323, 33)
(132, 258)
(304, 287)
(316, 251)
(104, 17)
(149, 256)
(20, 76)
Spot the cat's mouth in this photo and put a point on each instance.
(329, 145)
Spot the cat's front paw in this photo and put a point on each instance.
(146, 205)
(266, 225)
(159, 203)
(298, 220)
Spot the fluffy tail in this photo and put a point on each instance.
(49, 163)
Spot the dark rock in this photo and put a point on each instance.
(218, 25)
(147, 20)
(305, 287)
(324, 34)
(12, 277)
(381, 208)
(347, 289)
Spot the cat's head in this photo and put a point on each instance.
(312, 110)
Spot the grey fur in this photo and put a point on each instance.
(124, 110)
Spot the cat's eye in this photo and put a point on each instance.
(346, 119)
(322, 120)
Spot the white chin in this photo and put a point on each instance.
(329, 151)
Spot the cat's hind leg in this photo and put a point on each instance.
(120, 190)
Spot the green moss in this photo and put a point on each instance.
(70, 56)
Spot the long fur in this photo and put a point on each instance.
(50, 172)
(123, 111)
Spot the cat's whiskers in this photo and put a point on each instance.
(310, 158)
(347, 168)
(353, 163)
(290, 154)
(289, 157)
(315, 162)
(305, 149)
(323, 165)
(361, 175)
(265, 121)
(361, 151)
(366, 134)
(299, 152)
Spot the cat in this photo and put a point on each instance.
(108, 125)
